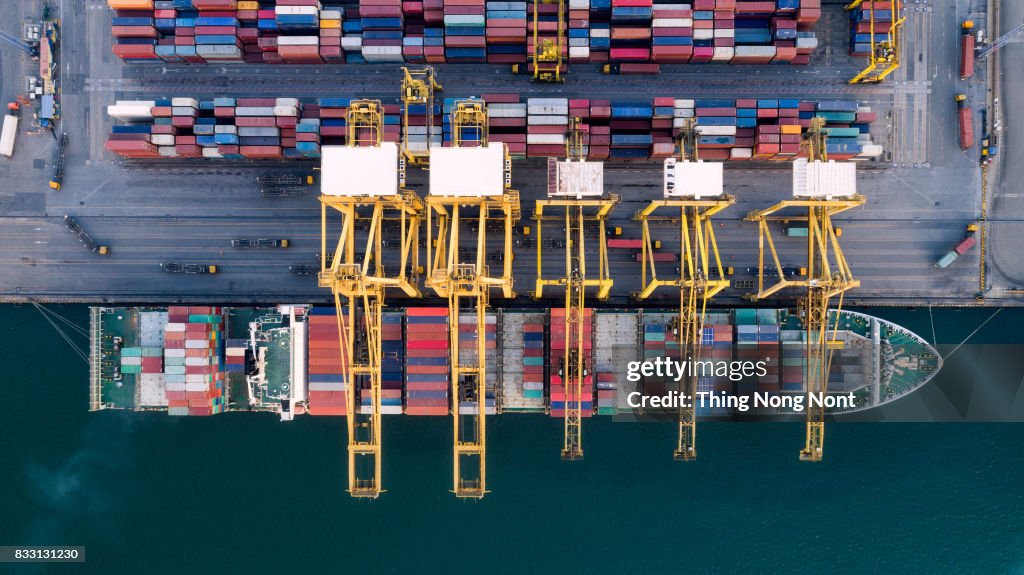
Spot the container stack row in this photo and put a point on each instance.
(141, 360)
(468, 337)
(194, 360)
(557, 352)
(454, 31)
(392, 377)
(716, 346)
(274, 128)
(326, 380)
(533, 361)
(427, 364)
(866, 19)
(234, 128)
(234, 355)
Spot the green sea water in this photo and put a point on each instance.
(241, 493)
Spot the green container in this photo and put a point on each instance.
(532, 361)
(131, 369)
(152, 351)
(533, 393)
(837, 117)
(746, 316)
(203, 318)
(767, 316)
(843, 132)
(794, 361)
(654, 336)
(606, 411)
(131, 352)
(177, 411)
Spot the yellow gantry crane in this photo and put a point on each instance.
(885, 51)
(576, 189)
(418, 88)
(547, 53)
(696, 190)
(823, 188)
(470, 181)
(360, 178)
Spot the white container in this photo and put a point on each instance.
(547, 120)
(287, 102)
(672, 23)
(167, 152)
(130, 112)
(545, 138)
(351, 42)
(185, 102)
(703, 34)
(741, 153)
(716, 130)
(254, 111)
(685, 103)
(558, 102)
(196, 361)
(297, 10)
(183, 111)
(682, 113)
(722, 54)
(298, 41)
(725, 32)
(579, 4)
(173, 352)
(131, 360)
(162, 139)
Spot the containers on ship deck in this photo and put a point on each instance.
(559, 395)
(326, 381)
(428, 371)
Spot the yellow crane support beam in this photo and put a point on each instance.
(828, 275)
(576, 196)
(357, 277)
(464, 276)
(885, 51)
(547, 59)
(700, 273)
(418, 88)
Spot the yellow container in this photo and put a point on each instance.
(243, 5)
(790, 129)
(324, 24)
(130, 4)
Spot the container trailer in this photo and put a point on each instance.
(72, 225)
(57, 177)
(966, 122)
(960, 249)
(967, 49)
(260, 243)
(177, 268)
(656, 256)
(10, 130)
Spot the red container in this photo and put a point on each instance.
(966, 55)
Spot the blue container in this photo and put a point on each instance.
(218, 21)
(227, 139)
(716, 121)
(219, 39)
(131, 21)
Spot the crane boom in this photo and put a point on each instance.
(456, 198)
(418, 88)
(695, 190)
(576, 188)
(828, 273)
(358, 278)
(548, 59)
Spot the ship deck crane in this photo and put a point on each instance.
(822, 189)
(694, 189)
(418, 88)
(576, 195)
(885, 52)
(470, 181)
(548, 57)
(362, 180)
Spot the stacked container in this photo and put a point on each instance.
(861, 26)
(428, 369)
(533, 361)
(382, 23)
(547, 122)
(392, 364)
(436, 31)
(468, 337)
(557, 352)
(275, 128)
(194, 360)
(234, 352)
(326, 380)
(464, 31)
(506, 32)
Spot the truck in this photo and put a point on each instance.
(303, 270)
(966, 122)
(57, 176)
(630, 244)
(10, 130)
(801, 232)
(656, 256)
(260, 243)
(177, 268)
(960, 249)
(966, 49)
(72, 225)
(631, 68)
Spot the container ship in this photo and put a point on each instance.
(286, 359)
(466, 31)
